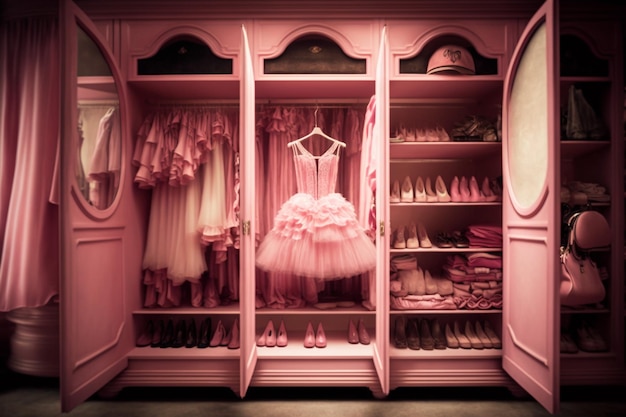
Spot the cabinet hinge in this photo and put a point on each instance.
(382, 228)
(245, 227)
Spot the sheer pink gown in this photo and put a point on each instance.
(316, 233)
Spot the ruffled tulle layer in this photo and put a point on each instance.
(317, 239)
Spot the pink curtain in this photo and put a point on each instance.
(29, 131)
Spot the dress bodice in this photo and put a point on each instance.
(316, 176)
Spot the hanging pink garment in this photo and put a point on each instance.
(106, 161)
(315, 232)
(29, 125)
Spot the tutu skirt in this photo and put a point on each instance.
(317, 239)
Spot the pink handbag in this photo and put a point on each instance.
(580, 278)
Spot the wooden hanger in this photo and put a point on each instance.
(316, 131)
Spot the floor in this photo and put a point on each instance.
(24, 396)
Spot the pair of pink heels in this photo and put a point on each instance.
(358, 333)
(270, 338)
(423, 192)
(467, 191)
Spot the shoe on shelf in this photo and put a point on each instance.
(180, 334)
(441, 190)
(455, 193)
(413, 334)
(421, 135)
(473, 338)
(399, 241)
(491, 334)
(320, 337)
(451, 340)
(233, 343)
(484, 339)
(567, 344)
(204, 334)
(443, 240)
(167, 337)
(423, 236)
(192, 335)
(475, 194)
(426, 339)
(412, 242)
(281, 336)
(420, 190)
(353, 336)
(487, 191)
(227, 336)
(431, 197)
(159, 329)
(268, 337)
(399, 332)
(364, 337)
(406, 192)
(218, 335)
(411, 135)
(395, 192)
(464, 342)
(438, 336)
(309, 336)
(464, 190)
(459, 239)
(145, 338)
(442, 135)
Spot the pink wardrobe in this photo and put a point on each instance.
(369, 62)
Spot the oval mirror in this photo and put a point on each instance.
(99, 154)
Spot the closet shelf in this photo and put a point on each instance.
(337, 348)
(184, 353)
(443, 150)
(445, 250)
(565, 310)
(445, 86)
(576, 148)
(357, 309)
(182, 311)
(358, 90)
(450, 204)
(191, 88)
(443, 312)
(408, 354)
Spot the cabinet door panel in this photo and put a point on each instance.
(530, 210)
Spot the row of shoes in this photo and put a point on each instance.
(462, 190)
(427, 334)
(182, 333)
(357, 333)
(585, 338)
(475, 129)
(404, 134)
(415, 236)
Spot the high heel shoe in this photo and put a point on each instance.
(441, 190)
(399, 333)
(395, 192)
(487, 191)
(431, 197)
(484, 339)
(281, 336)
(158, 334)
(412, 242)
(420, 190)
(192, 335)
(464, 342)
(451, 340)
(413, 334)
(168, 335)
(455, 193)
(475, 194)
(406, 192)
(234, 335)
(180, 334)
(145, 338)
(399, 241)
(491, 334)
(426, 339)
(423, 236)
(204, 334)
(320, 337)
(464, 190)
(268, 337)
(218, 335)
(353, 336)
(364, 337)
(226, 337)
(309, 336)
(438, 338)
(473, 338)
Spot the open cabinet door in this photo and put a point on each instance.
(97, 239)
(531, 211)
(247, 215)
(381, 348)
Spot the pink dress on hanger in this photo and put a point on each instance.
(316, 233)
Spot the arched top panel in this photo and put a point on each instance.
(579, 57)
(314, 54)
(184, 53)
(484, 59)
